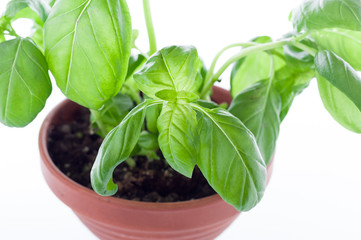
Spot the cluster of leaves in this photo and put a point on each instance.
(335, 27)
(141, 104)
(189, 132)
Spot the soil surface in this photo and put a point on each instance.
(73, 148)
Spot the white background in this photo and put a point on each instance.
(315, 191)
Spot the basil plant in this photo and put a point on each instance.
(143, 102)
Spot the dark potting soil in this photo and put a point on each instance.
(73, 148)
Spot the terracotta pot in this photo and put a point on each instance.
(112, 218)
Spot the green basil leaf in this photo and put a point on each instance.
(51, 2)
(38, 37)
(341, 108)
(116, 148)
(167, 95)
(177, 126)
(41, 8)
(253, 68)
(345, 43)
(151, 117)
(289, 83)
(111, 114)
(245, 72)
(259, 108)
(172, 96)
(297, 55)
(318, 14)
(230, 159)
(87, 47)
(299, 59)
(187, 96)
(148, 141)
(207, 104)
(340, 74)
(24, 82)
(175, 68)
(202, 73)
(249, 70)
(135, 62)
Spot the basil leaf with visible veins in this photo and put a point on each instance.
(87, 47)
(229, 158)
(24, 82)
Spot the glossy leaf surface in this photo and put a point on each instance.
(298, 59)
(341, 108)
(345, 43)
(175, 68)
(87, 46)
(230, 159)
(24, 82)
(340, 74)
(207, 104)
(259, 108)
(177, 126)
(318, 14)
(116, 148)
(246, 71)
(253, 68)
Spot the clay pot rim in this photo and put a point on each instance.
(45, 156)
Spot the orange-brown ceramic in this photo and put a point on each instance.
(113, 218)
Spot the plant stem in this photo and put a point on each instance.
(3, 24)
(304, 47)
(98, 121)
(245, 52)
(213, 65)
(150, 28)
(13, 33)
(141, 52)
(6, 28)
(131, 163)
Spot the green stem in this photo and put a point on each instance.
(99, 122)
(6, 28)
(13, 33)
(305, 48)
(132, 92)
(213, 65)
(150, 28)
(245, 52)
(131, 163)
(4, 22)
(301, 36)
(141, 52)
